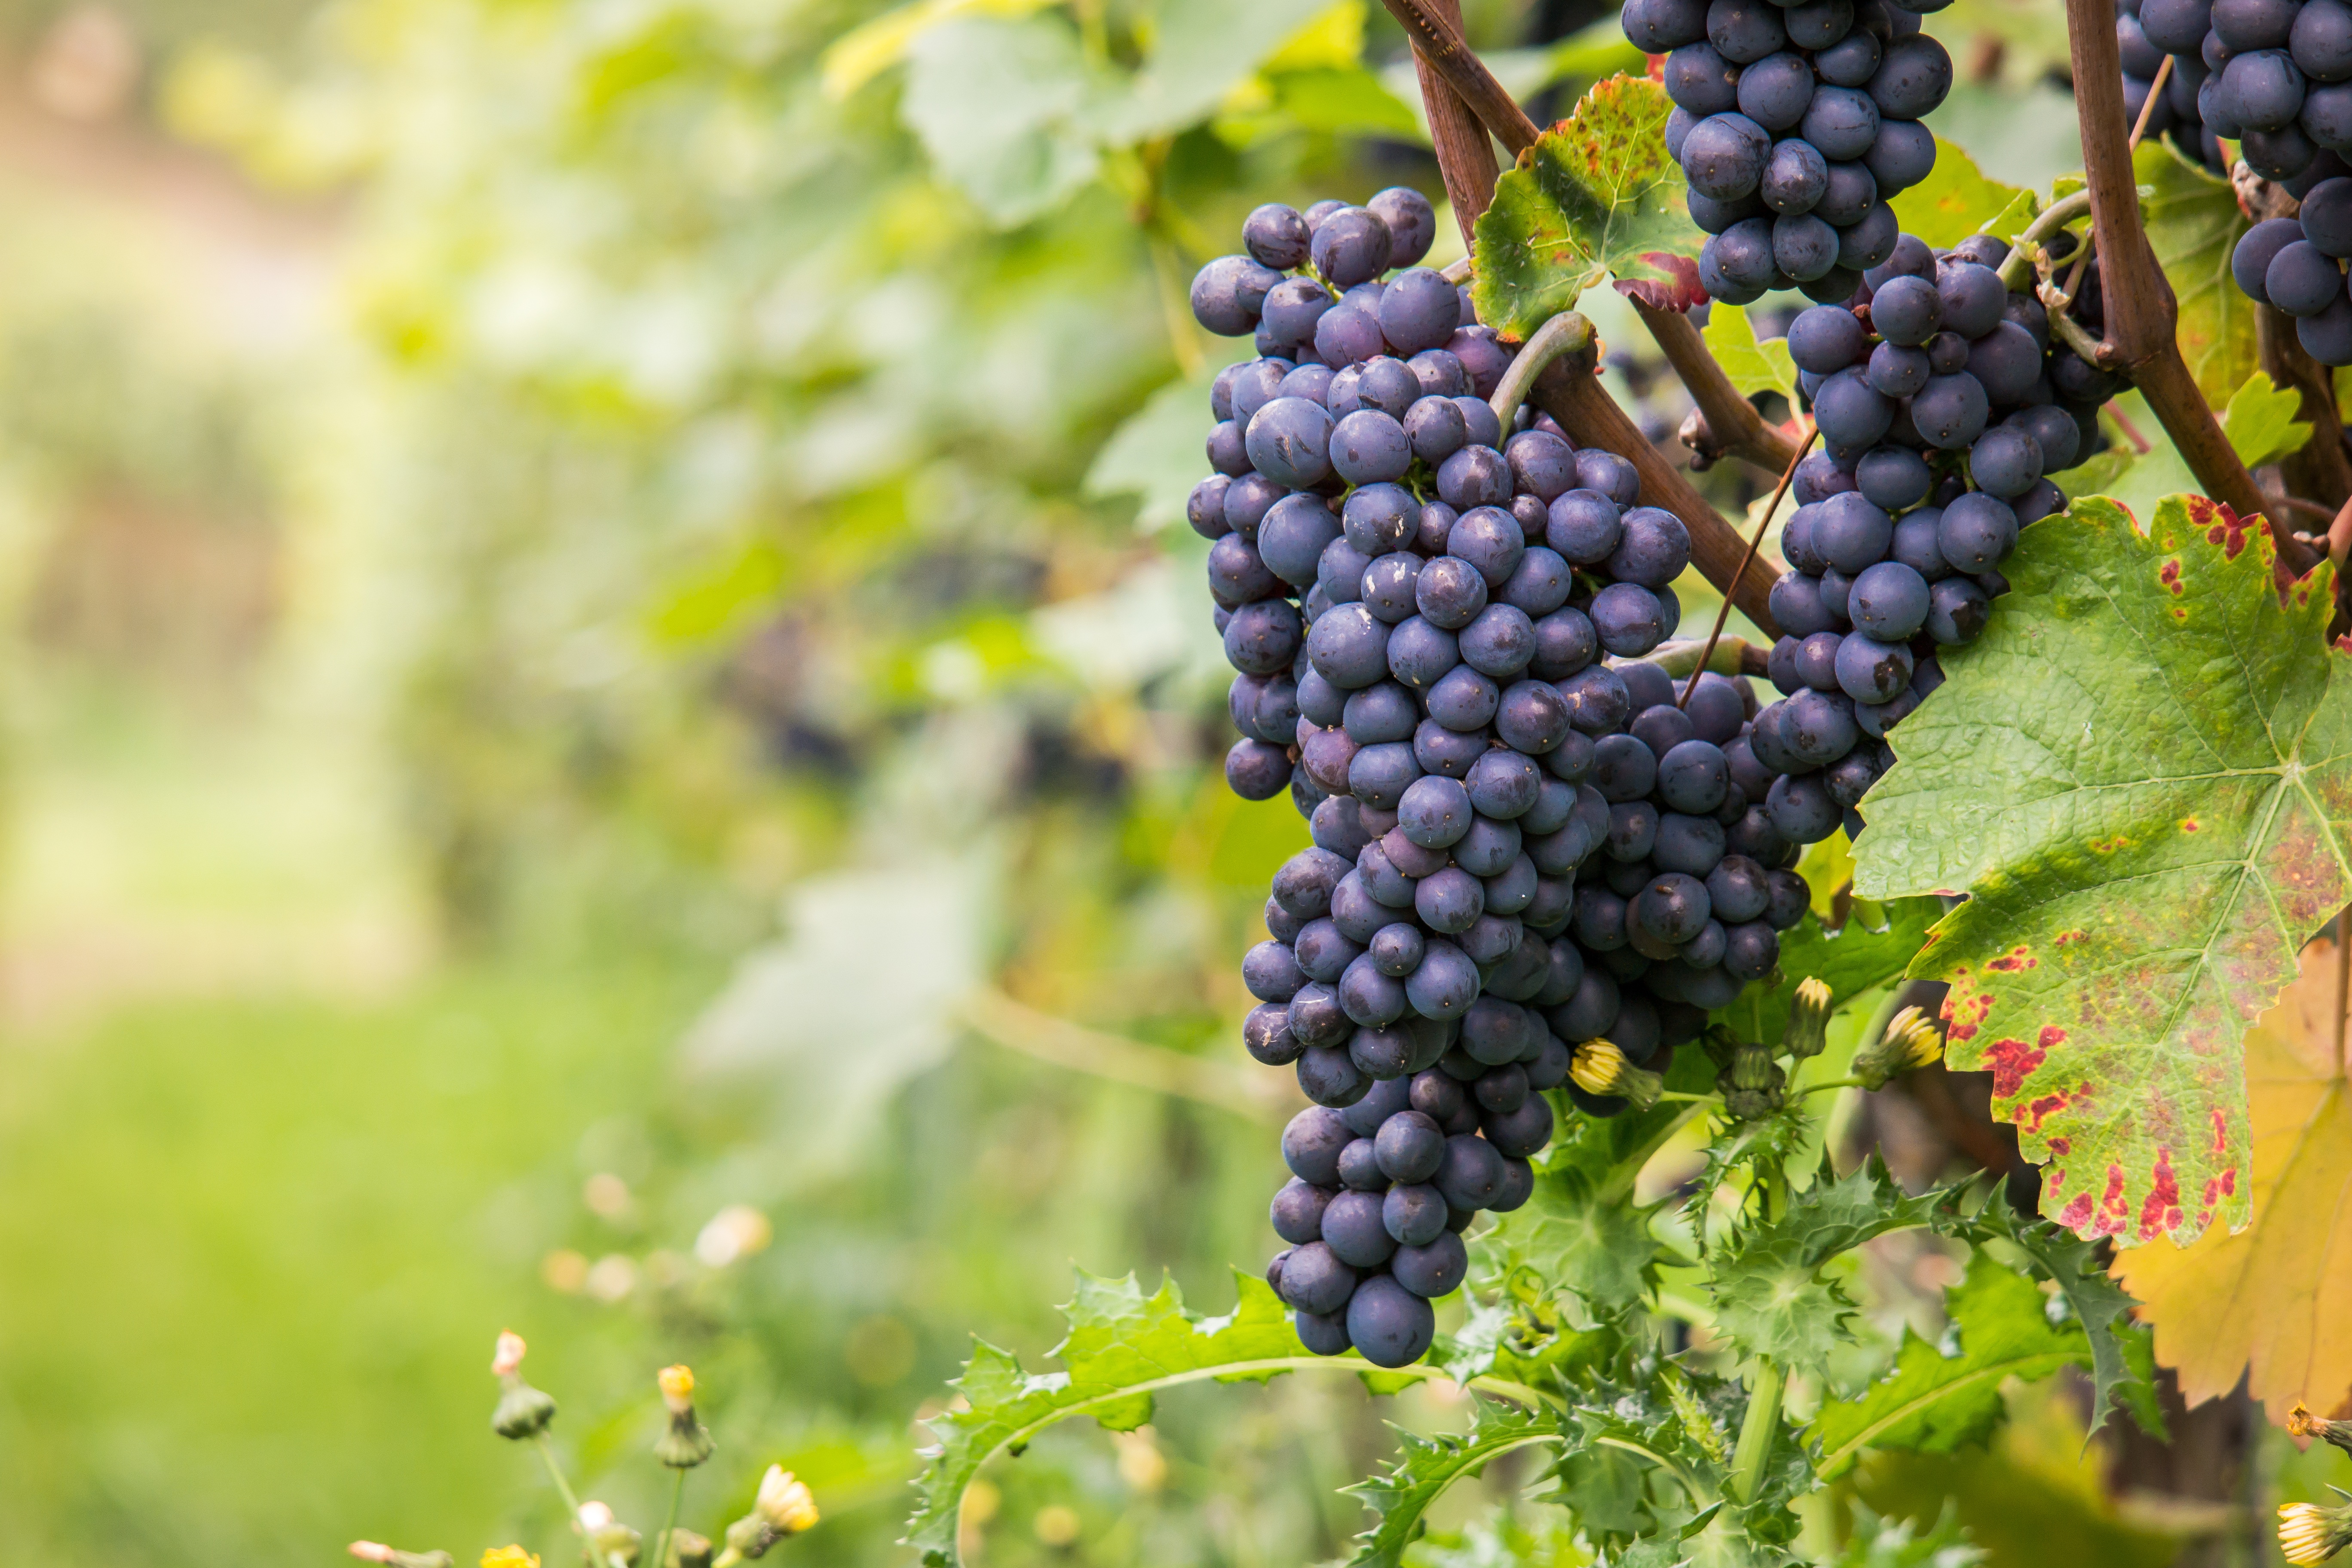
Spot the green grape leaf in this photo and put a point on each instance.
(1769, 1297)
(1935, 1403)
(1956, 200)
(1595, 195)
(2193, 224)
(1000, 106)
(1426, 1466)
(1155, 456)
(1122, 1347)
(1753, 366)
(2123, 1359)
(2261, 421)
(2171, 738)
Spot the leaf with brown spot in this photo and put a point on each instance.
(2272, 1298)
(2109, 961)
(1596, 196)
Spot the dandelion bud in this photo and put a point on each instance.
(676, 1388)
(784, 1502)
(2310, 1533)
(509, 1556)
(1809, 1019)
(1753, 1086)
(377, 1551)
(2301, 1422)
(1595, 1065)
(687, 1443)
(523, 1411)
(687, 1550)
(1911, 1040)
(1602, 1063)
(615, 1545)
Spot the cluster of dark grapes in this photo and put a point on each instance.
(2273, 76)
(1794, 125)
(2296, 264)
(1423, 608)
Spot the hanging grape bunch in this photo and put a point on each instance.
(1794, 126)
(1439, 626)
(1941, 399)
(2296, 265)
(2273, 76)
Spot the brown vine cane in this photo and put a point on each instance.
(1455, 81)
(2142, 314)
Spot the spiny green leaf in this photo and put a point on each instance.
(2260, 421)
(1956, 200)
(2193, 224)
(1121, 1348)
(2123, 1364)
(1753, 366)
(1769, 1297)
(1427, 1466)
(2141, 772)
(1595, 195)
(1934, 1403)
(1571, 1232)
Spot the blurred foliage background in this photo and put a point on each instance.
(606, 734)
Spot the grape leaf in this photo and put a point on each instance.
(1934, 1403)
(2193, 224)
(1426, 1466)
(2170, 743)
(1769, 1297)
(1753, 366)
(2272, 1296)
(2260, 421)
(1122, 1346)
(1595, 195)
(1956, 200)
(1001, 107)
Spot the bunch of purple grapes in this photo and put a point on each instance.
(2274, 76)
(2296, 264)
(1794, 125)
(1439, 627)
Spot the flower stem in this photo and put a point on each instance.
(661, 1541)
(571, 1501)
(1756, 1433)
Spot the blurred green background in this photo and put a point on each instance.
(606, 734)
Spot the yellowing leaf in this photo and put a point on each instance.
(1956, 200)
(2260, 421)
(1334, 40)
(2193, 224)
(1754, 366)
(865, 52)
(2276, 1298)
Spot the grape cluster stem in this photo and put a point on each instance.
(2142, 314)
(1755, 543)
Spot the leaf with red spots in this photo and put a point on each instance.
(1595, 195)
(2142, 774)
(2271, 1300)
